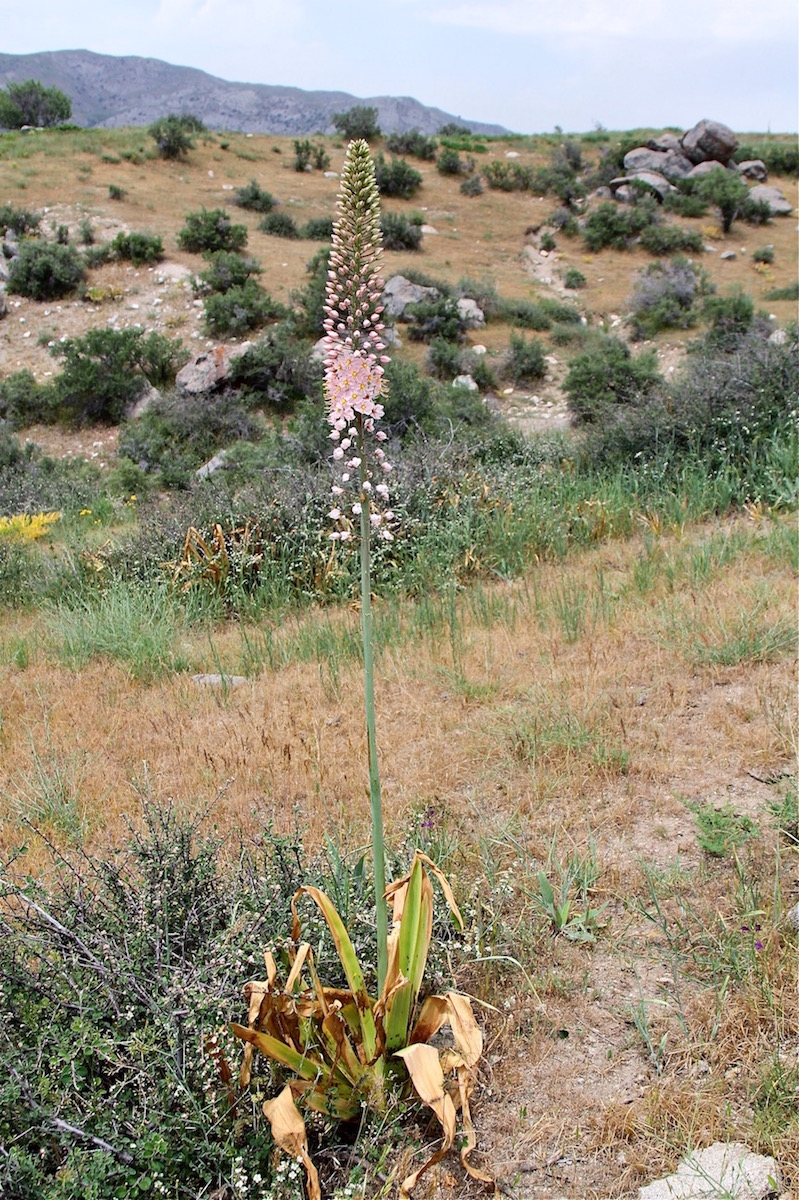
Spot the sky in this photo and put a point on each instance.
(528, 65)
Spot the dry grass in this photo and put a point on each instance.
(532, 744)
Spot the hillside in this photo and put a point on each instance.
(110, 91)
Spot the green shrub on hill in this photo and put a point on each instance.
(209, 230)
(614, 225)
(255, 198)
(664, 297)
(360, 121)
(279, 224)
(400, 232)
(45, 270)
(412, 142)
(18, 220)
(226, 269)
(242, 307)
(605, 376)
(138, 248)
(173, 134)
(31, 103)
(396, 178)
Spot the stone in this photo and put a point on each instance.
(671, 163)
(3, 303)
(399, 292)
(793, 915)
(665, 141)
(10, 245)
(213, 465)
(145, 401)
(704, 168)
(3, 269)
(603, 193)
(726, 1169)
(774, 198)
(471, 313)
(208, 370)
(709, 140)
(654, 180)
(728, 256)
(212, 680)
(465, 381)
(753, 168)
(624, 193)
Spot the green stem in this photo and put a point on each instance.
(378, 845)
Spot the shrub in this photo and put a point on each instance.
(99, 379)
(310, 154)
(730, 318)
(764, 255)
(254, 197)
(454, 129)
(31, 103)
(277, 371)
(211, 230)
(779, 158)
(508, 176)
(309, 315)
(548, 242)
(318, 229)
(279, 224)
(566, 314)
(412, 142)
(225, 270)
(565, 221)
(23, 401)
(399, 232)
(115, 192)
(19, 220)
(435, 319)
(357, 122)
(138, 248)
(528, 314)
(449, 162)
(791, 292)
(173, 134)
(685, 204)
(755, 212)
(727, 192)
(45, 271)
(574, 279)
(525, 360)
(613, 225)
(444, 359)
(242, 307)
(178, 434)
(396, 178)
(409, 400)
(473, 186)
(160, 358)
(670, 239)
(483, 292)
(605, 376)
(664, 298)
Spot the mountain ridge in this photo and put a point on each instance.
(108, 91)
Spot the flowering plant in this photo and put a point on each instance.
(343, 1047)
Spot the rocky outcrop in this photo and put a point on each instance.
(209, 370)
(774, 198)
(653, 180)
(399, 292)
(709, 140)
(752, 168)
(671, 163)
(471, 313)
(704, 168)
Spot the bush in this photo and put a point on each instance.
(669, 239)
(397, 178)
(449, 162)
(473, 186)
(357, 122)
(318, 229)
(525, 360)
(115, 192)
(727, 192)
(528, 314)
(211, 230)
(254, 197)
(412, 142)
(730, 317)
(31, 103)
(483, 292)
(277, 371)
(574, 279)
(605, 376)
(444, 359)
(225, 270)
(138, 248)
(399, 232)
(309, 314)
(755, 212)
(99, 379)
(613, 225)
(508, 177)
(45, 271)
(242, 307)
(548, 242)
(791, 292)
(160, 358)
(685, 204)
(565, 221)
(310, 154)
(435, 319)
(23, 401)
(764, 255)
(409, 401)
(19, 220)
(779, 158)
(176, 435)
(173, 134)
(664, 298)
(279, 224)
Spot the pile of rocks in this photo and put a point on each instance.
(708, 146)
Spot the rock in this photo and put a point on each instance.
(603, 193)
(471, 313)
(399, 292)
(465, 381)
(331, 174)
(654, 180)
(728, 256)
(793, 915)
(319, 351)
(665, 141)
(206, 371)
(212, 466)
(709, 140)
(753, 168)
(3, 269)
(726, 1169)
(10, 245)
(705, 168)
(624, 193)
(511, 153)
(779, 206)
(3, 303)
(227, 681)
(429, 229)
(145, 400)
(671, 163)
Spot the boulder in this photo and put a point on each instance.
(665, 141)
(778, 338)
(399, 292)
(470, 313)
(623, 192)
(774, 198)
(145, 400)
(217, 463)
(753, 168)
(726, 1169)
(671, 163)
(3, 269)
(709, 140)
(465, 381)
(704, 168)
(10, 245)
(654, 180)
(208, 370)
